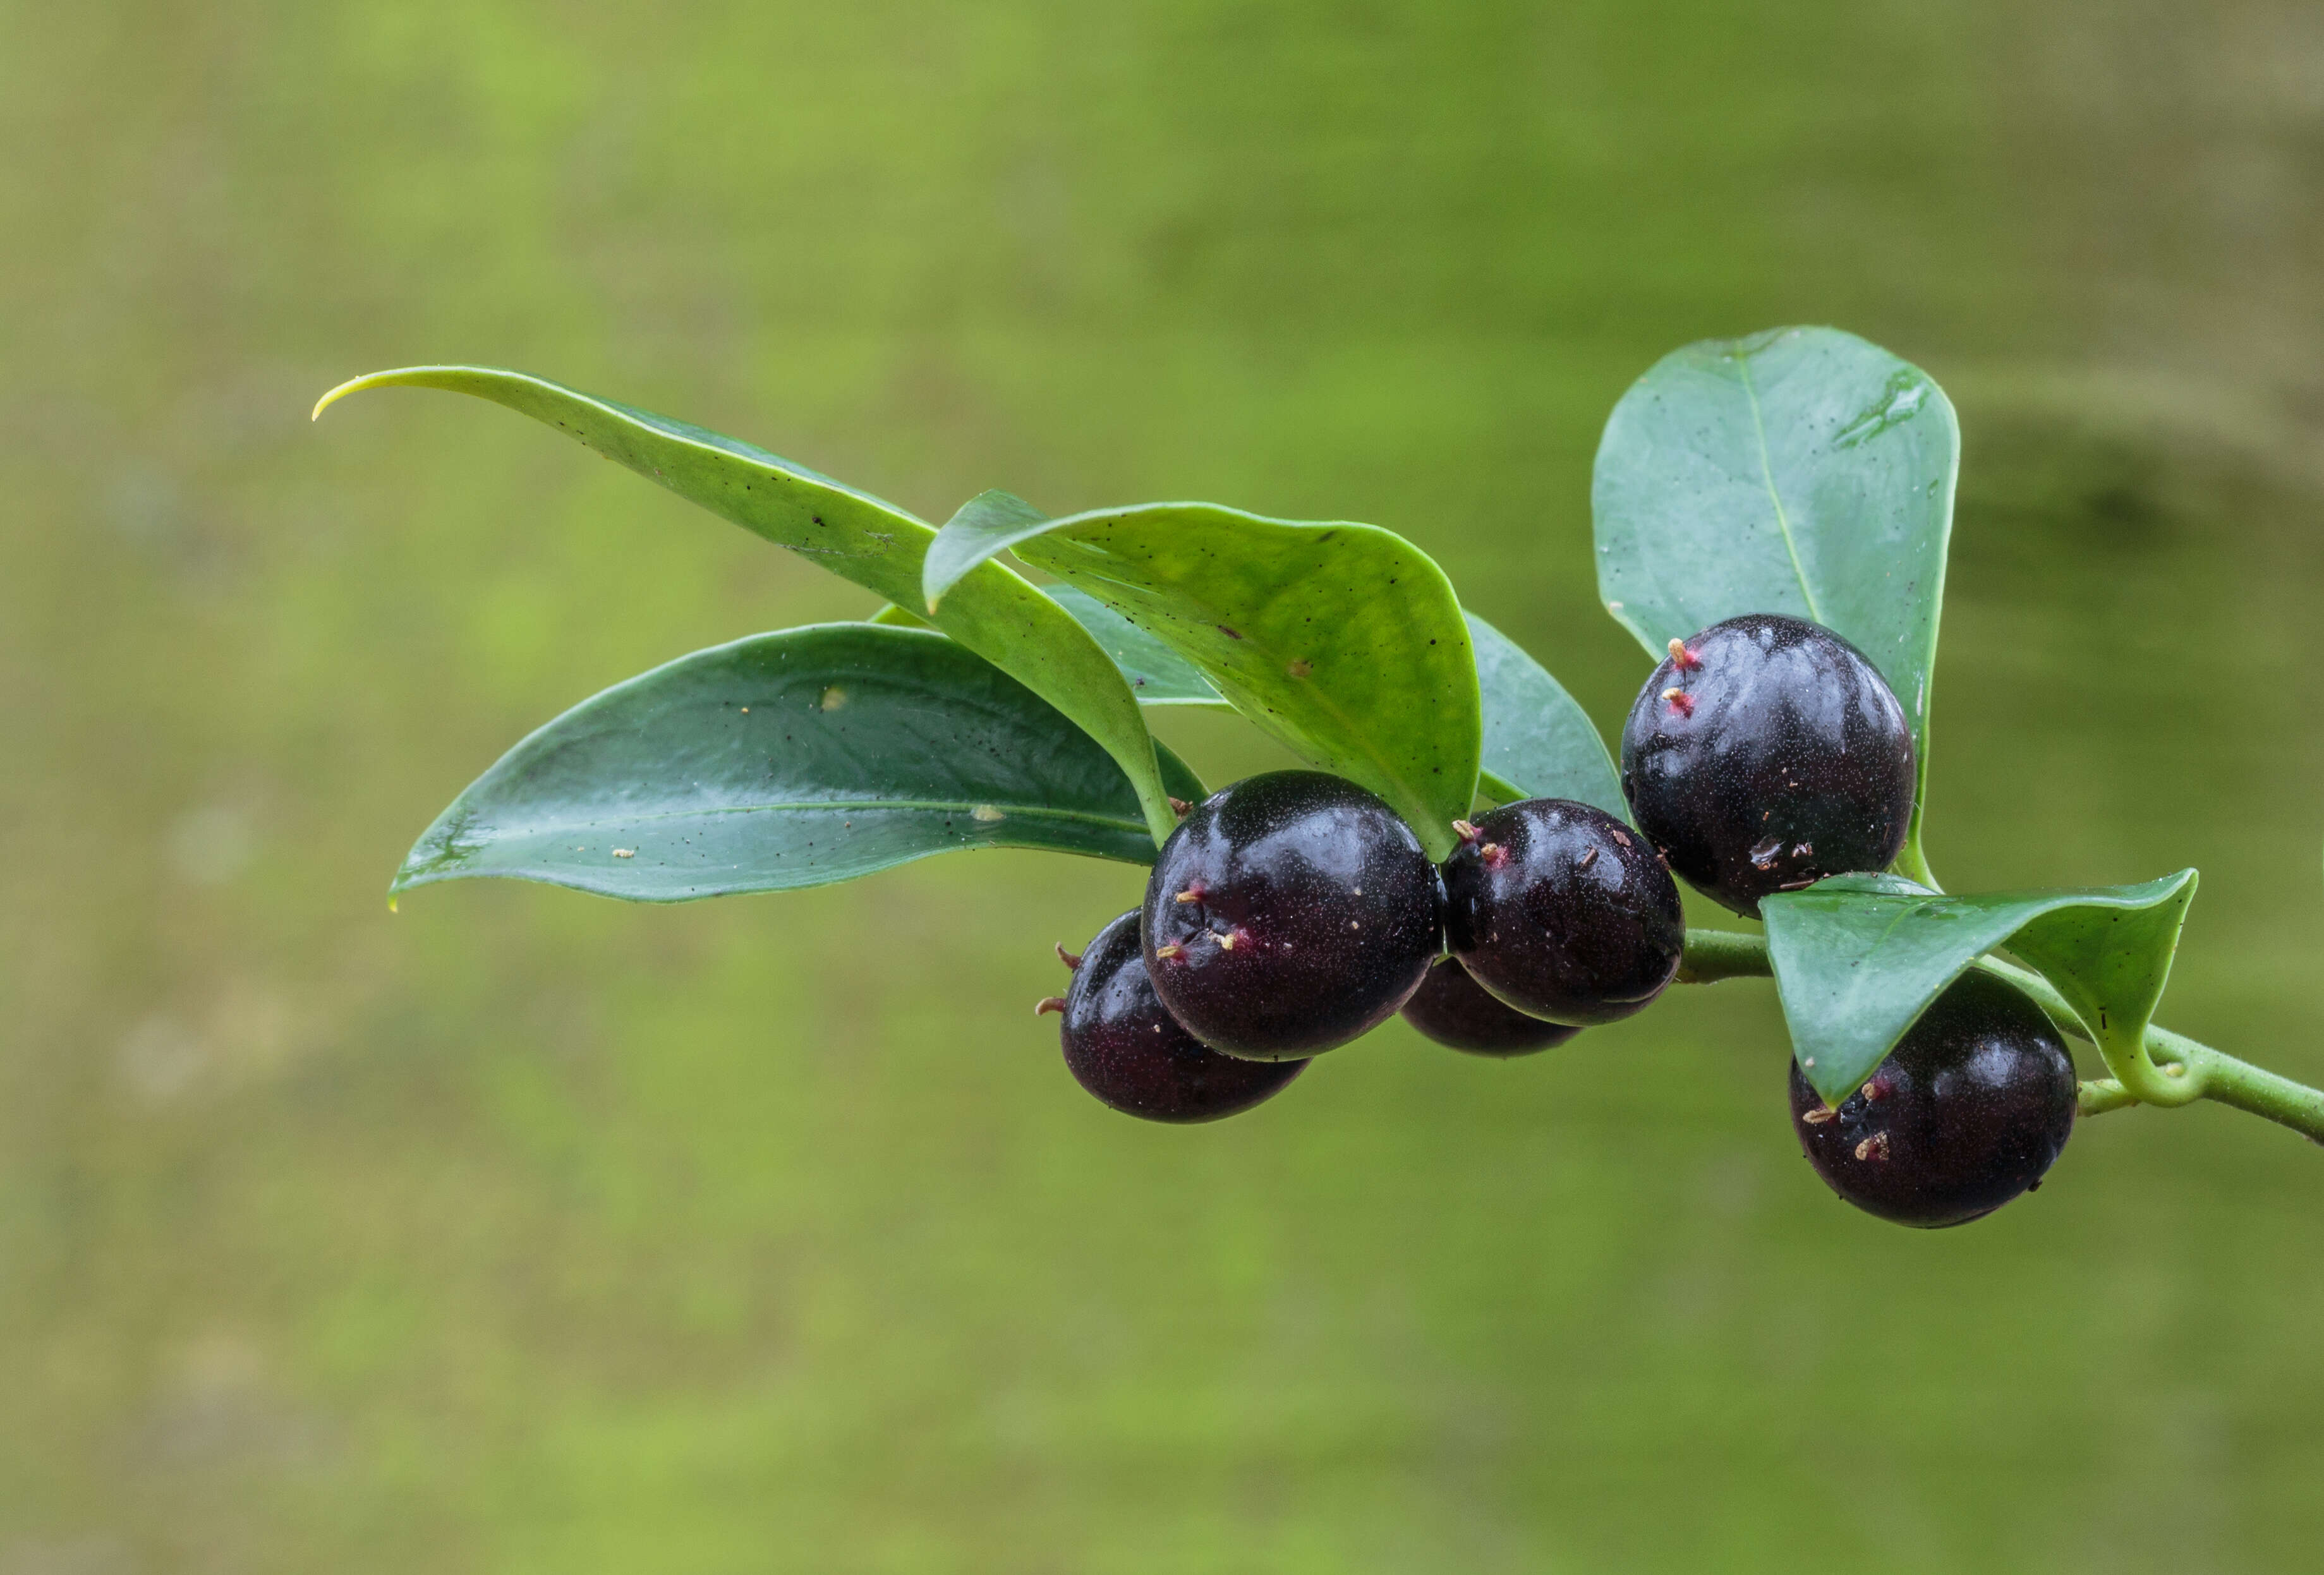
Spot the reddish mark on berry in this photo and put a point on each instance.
(1236, 937)
(1195, 891)
(1169, 951)
(1683, 659)
(1070, 959)
(1496, 857)
(1049, 1003)
(1466, 831)
(1680, 701)
(1877, 1089)
(1873, 1147)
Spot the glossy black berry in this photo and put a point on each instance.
(1122, 1046)
(1968, 1110)
(1564, 912)
(1289, 913)
(1453, 1009)
(1765, 754)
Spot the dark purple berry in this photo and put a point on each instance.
(1124, 1048)
(1765, 754)
(1289, 913)
(1562, 911)
(1973, 1105)
(1453, 1009)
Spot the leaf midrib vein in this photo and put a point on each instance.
(1767, 473)
(852, 806)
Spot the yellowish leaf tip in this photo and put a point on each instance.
(390, 905)
(356, 384)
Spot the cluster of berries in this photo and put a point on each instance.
(1291, 912)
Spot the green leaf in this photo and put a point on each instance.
(1799, 470)
(789, 760)
(1539, 743)
(1155, 674)
(1343, 641)
(1857, 958)
(997, 613)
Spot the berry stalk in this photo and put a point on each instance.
(1712, 955)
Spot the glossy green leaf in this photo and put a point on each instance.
(996, 614)
(785, 760)
(1799, 470)
(1539, 743)
(1343, 641)
(1857, 958)
(1156, 675)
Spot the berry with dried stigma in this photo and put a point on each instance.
(1969, 1110)
(1563, 914)
(1773, 756)
(1122, 1046)
(1318, 915)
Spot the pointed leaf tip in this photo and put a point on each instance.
(356, 386)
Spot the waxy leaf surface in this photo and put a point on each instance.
(1857, 958)
(996, 612)
(1343, 641)
(1156, 675)
(1539, 743)
(1800, 471)
(785, 760)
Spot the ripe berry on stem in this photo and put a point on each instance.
(1562, 911)
(1969, 1110)
(1453, 1010)
(1122, 1046)
(1765, 754)
(1289, 913)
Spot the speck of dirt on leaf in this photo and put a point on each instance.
(1300, 669)
(834, 698)
(625, 852)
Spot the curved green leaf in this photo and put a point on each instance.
(1343, 641)
(1857, 958)
(997, 614)
(785, 760)
(1156, 675)
(1799, 470)
(1539, 743)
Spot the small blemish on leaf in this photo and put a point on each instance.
(1300, 669)
(625, 852)
(834, 698)
(986, 812)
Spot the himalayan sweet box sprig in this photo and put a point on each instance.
(1772, 519)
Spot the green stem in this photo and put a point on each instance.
(1715, 954)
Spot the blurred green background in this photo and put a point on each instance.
(523, 1231)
